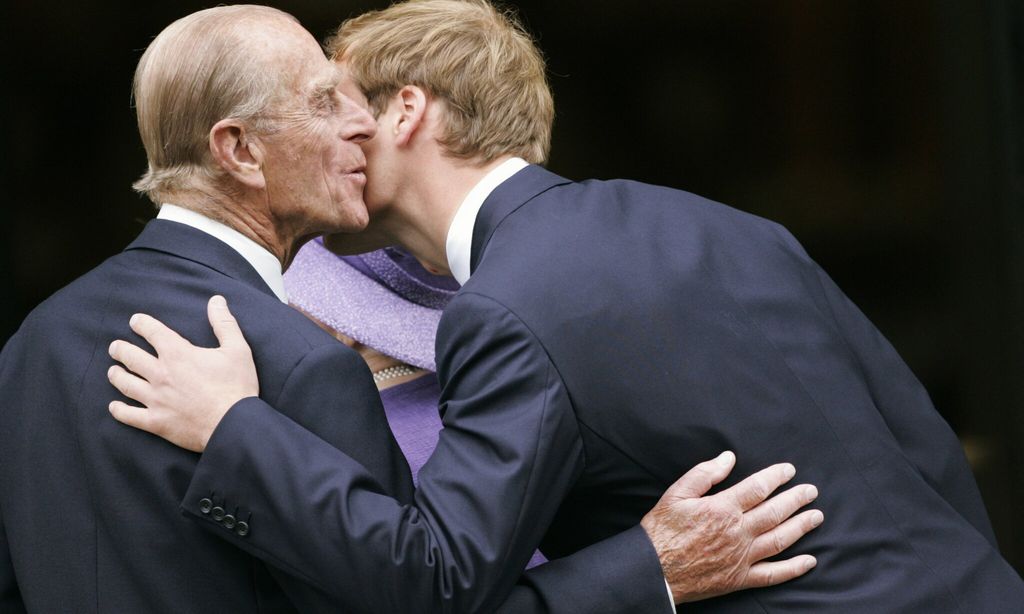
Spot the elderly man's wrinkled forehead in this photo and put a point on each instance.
(291, 50)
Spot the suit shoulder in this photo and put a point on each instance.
(640, 194)
(79, 297)
(267, 321)
(475, 304)
(620, 212)
(670, 206)
(175, 291)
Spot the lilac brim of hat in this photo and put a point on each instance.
(382, 299)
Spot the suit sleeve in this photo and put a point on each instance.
(10, 596)
(620, 574)
(508, 453)
(924, 436)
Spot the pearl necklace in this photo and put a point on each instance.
(393, 372)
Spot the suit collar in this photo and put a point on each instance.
(195, 245)
(506, 198)
(261, 259)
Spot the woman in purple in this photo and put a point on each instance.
(386, 306)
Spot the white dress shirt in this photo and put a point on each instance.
(459, 243)
(265, 263)
(460, 232)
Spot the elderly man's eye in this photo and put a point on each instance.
(324, 101)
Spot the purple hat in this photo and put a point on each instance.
(383, 299)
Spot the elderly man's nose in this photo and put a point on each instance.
(359, 124)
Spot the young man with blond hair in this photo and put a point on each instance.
(607, 336)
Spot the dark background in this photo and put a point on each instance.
(886, 135)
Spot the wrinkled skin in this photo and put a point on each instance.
(713, 545)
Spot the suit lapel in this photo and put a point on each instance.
(191, 244)
(515, 192)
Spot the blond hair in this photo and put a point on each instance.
(479, 60)
(199, 70)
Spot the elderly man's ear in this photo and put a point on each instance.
(237, 153)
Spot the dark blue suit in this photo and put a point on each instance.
(89, 507)
(679, 327)
(89, 518)
(612, 335)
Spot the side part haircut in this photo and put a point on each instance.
(476, 58)
(199, 70)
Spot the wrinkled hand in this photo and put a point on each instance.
(185, 390)
(714, 545)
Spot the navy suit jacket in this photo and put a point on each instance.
(612, 335)
(89, 518)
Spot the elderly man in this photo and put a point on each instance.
(607, 335)
(249, 138)
(252, 149)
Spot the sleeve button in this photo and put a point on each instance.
(217, 513)
(229, 522)
(205, 505)
(242, 528)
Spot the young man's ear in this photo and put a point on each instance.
(237, 153)
(411, 104)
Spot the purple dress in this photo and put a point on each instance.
(411, 409)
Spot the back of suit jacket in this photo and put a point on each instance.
(675, 328)
(89, 518)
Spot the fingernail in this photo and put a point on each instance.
(725, 458)
(110, 348)
(788, 470)
(811, 492)
(810, 563)
(110, 372)
(133, 320)
(817, 518)
(218, 301)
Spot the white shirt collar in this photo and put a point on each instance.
(460, 234)
(265, 263)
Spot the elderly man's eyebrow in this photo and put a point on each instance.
(325, 91)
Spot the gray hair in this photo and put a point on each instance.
(199, 70)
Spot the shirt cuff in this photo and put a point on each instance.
(670, 599)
